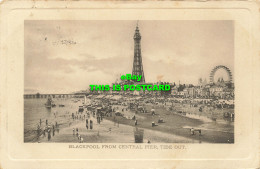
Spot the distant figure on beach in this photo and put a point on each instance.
(160, 120)
(77, 130)
(53, 132)
(135, 122)
(98, 119)
(153, 124)
(49, 134)
(44, 131)
(91, 124)
(73, 131)
(192, 131)
(153, 112)
(87, 123)
(38, 131)
(46, 122)
(40, 122)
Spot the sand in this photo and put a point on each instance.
(110, 132)
(117, 129)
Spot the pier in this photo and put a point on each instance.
(40, 96)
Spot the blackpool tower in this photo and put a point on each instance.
(138, 65)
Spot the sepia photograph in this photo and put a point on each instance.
(129, 84)
(68, 62)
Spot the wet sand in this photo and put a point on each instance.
(176, 124)
(110, 132)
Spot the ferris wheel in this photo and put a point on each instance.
(215, 69)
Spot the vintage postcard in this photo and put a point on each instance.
(139, 84)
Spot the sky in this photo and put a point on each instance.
(68, 56)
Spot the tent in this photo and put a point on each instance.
(100, 96)
(117, 97)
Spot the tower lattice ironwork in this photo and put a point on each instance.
(138, 65)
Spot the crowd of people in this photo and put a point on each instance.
(48, 129)
(101, 108)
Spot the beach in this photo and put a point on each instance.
(120, 129)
